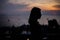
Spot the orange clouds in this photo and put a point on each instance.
(43, 6)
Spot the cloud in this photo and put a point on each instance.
(56, 6)
(57, 1)
(2, 2)
(15, 8)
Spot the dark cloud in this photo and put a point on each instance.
(15, 6)
(57, 1)
(56, 6)
(2, 2)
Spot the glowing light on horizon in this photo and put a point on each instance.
(43, 4)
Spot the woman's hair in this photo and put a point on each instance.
(35, 14)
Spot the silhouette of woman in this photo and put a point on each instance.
(34, 24)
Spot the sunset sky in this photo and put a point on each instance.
(26, 5)
(18, 10)
(43, 4)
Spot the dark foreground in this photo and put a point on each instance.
(23, 33)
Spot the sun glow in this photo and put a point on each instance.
(43, 6)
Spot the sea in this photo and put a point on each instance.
(22, 18)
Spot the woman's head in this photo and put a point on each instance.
(35, 14)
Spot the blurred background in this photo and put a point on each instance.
(16, 12)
